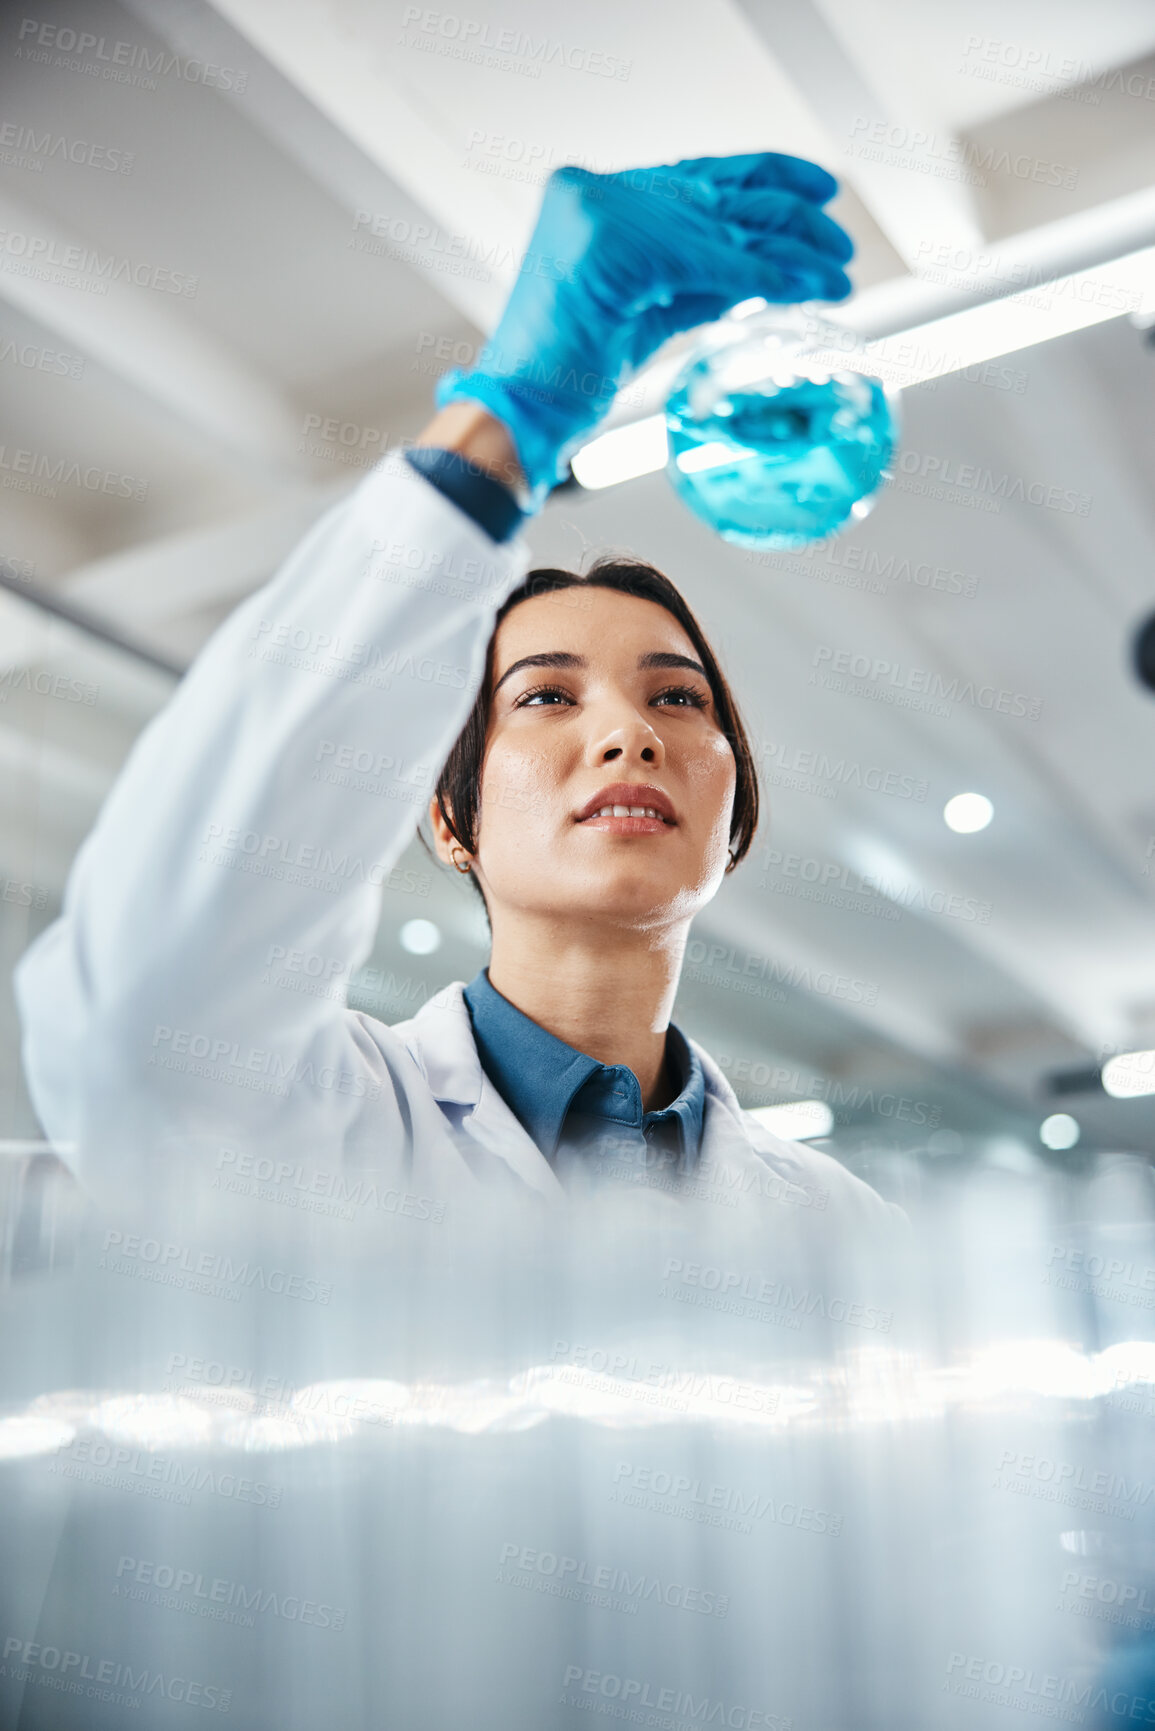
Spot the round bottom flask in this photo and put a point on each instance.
(776, 436)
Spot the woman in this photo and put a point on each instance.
(600, 790)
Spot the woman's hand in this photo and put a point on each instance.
(619, 262)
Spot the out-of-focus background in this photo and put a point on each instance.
(240, 241)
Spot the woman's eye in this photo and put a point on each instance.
(541, 691)
(686, 696)
(548, 696)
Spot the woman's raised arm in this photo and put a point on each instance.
(244, 824)
(257, 816)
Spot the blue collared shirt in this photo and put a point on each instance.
(568, 1101)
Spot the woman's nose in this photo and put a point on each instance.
(627, 737)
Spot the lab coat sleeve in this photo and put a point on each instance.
(257, 817)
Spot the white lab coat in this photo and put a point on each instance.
(155, 1019)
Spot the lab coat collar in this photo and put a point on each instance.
(440, 1040)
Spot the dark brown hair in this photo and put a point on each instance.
(458, 790)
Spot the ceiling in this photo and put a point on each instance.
(241, 160)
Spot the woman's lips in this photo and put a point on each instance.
(622, 799)
(617, 820)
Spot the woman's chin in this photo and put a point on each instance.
(628, 893)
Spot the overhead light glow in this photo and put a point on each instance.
(1060, 1130)
(1130, 1075)
(714, 454)
(622, 454)
(797, 1121)
(1002, 327)
(928, 351)
(420, 937)
(968, 812)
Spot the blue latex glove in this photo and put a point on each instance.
(619, 262)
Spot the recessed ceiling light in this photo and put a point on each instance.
(1130, 1075)
(420, 937)
(797, 1120)
(1060, 1130)
(968, 812)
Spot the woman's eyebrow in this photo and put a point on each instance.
(662, 658)
(563, 658)
(548, 658)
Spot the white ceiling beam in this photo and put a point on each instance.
(351, 124)
(139, 337)
(27, 761)
(141, 588)
(199, 568)
(909, 203)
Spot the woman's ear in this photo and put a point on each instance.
(444, 839)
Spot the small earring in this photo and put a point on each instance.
(458, 854)
(733, 861)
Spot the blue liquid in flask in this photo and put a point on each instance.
(782, 461)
